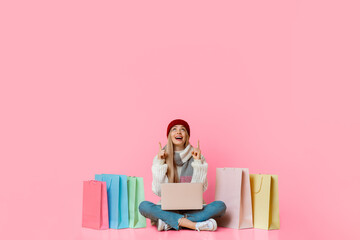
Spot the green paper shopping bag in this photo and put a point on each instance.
(136, 196)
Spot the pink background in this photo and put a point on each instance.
(89, 87)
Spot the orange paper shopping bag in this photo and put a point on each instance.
(95, 205)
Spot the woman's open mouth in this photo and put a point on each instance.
(179, 138)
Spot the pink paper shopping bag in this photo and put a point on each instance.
(95, 205)
(233, 188)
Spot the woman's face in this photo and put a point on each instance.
(178, 134)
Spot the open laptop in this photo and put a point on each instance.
(181, 196)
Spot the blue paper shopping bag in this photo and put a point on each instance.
(117, 199)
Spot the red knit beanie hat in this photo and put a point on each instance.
(178, 122)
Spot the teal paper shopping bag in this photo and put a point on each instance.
(136, 196)
(117, 198)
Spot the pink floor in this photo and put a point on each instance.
(151, 233)
(72, 230)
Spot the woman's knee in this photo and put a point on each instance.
(144, 205)
(220, 205)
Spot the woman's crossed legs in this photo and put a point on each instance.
(182, 218)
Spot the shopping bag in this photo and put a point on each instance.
(95, 205)
(135, 197)
(233, 188)
(265, 201)
(117, 199)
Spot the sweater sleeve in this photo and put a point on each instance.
(200, 172)
(159, 169)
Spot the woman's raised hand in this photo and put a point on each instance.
(162, 153)
(196, 153)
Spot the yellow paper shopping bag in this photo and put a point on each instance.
(265, 201)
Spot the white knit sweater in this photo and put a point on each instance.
(159, 169)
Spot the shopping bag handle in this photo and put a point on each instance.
(259, 186)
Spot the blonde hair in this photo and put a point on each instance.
(172, 173)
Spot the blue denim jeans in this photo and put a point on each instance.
(154, 212)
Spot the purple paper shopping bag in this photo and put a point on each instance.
(95, 205)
